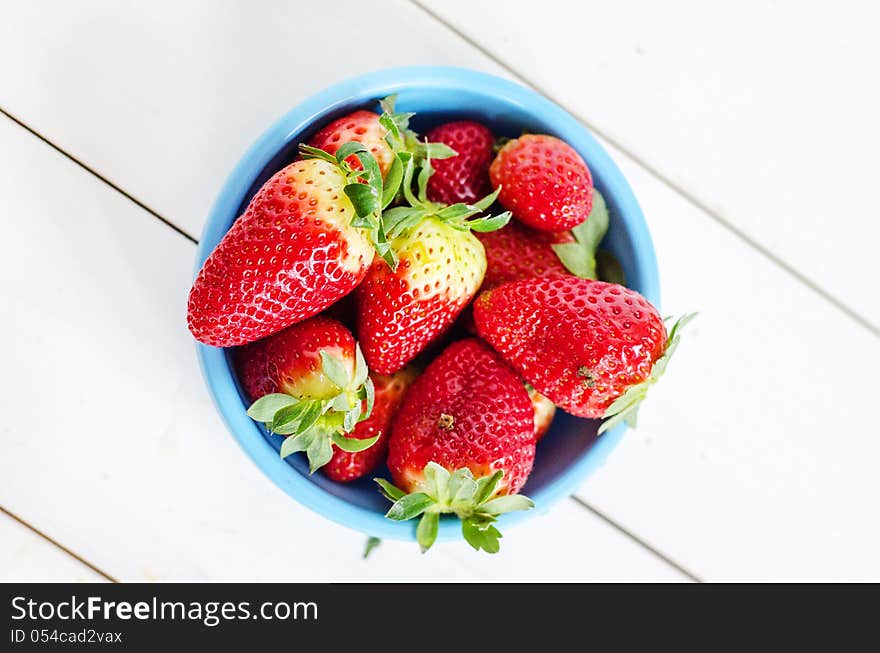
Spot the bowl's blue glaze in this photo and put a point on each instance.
(570, 451)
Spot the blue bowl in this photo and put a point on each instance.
(571, 450)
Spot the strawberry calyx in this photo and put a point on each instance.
(401, 138)
(459, 216)
(458, 493)
(626, 407)
(368, 192)
(315, 425)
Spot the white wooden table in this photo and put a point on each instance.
(748, 132)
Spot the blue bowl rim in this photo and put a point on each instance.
(213, 361)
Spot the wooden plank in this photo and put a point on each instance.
(766, 415)
(764, 112)
(186, 91)
(754, 457)
(25, 557)
(111, 443)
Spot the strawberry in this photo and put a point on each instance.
(382, 135)
(464, 177)
(593, 348)
(362, 127)
(303, 242)
(520, 252)
(544, 410)
(546, 183)
(310, 382)
(463, 442)
(390, 391)
(441, 265)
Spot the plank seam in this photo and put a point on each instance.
(656, 552)
(97, 174)
(58, 545)
(666, 181)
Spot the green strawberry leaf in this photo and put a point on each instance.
(462, 487)
(409, 506)
(347, 149)
(490, 223)
(625, 407)
(457, 211)
(367, 222)
(387, 104)
(579, 257)
(335, 370)
(296, 443)
(572, 257)
(353, 445)
(387, 121)
(352, 417)
(462, 499)
(297, 418)
(341, 403)
(392, 182)
(319, 452)
(309, 152)
(286, 419)
(481, 534)
(364, 199)
(401, 218)
(371, 545)
(374, 176)
(389, 491)
(507, 503)
(486, 487)
(426, 531)
(424, 175)
(361, 371)
(437, 481)
(409, 168)
(438, 151)
(383, 247)
(311, 415)
(264, 408)
(369, 391)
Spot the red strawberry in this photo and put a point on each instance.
(520, 252)
(390, 390)
(544, 411)
(464, 177)
(363, 127)
(463, 443)
(544, 182)
(290, 255)
(309, 382)
(441, 266)
(593, 348)
(401, 311)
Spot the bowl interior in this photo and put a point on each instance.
(571, 448)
